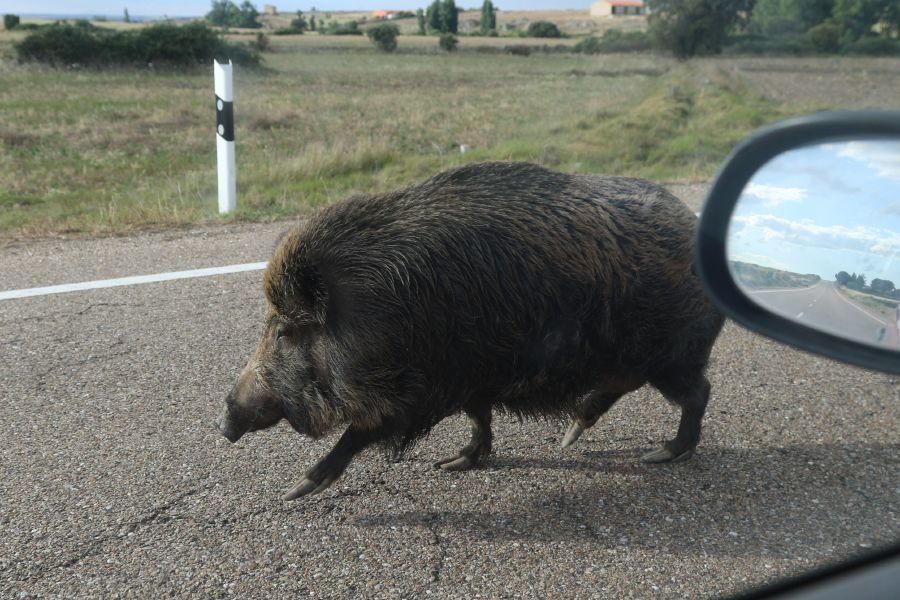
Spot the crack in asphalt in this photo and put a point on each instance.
(65, 314)
(40, 377)
(431, 525)
(154, 516)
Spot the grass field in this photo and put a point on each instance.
(97, 152)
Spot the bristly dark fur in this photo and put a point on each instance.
(504, 285)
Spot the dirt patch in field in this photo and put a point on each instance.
(839, 82)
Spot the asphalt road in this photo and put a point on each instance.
(114, 482)
(824, 307)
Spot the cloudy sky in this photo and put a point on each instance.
(179, 8)
(824, 209)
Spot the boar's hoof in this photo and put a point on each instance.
(308, 487)
(573, 434)
(461, 462)
(663, 455)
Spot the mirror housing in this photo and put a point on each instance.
(711, 248)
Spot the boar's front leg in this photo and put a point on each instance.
(592, 408)
(329, 468)
(479, 446)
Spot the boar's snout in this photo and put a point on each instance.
(227, 428)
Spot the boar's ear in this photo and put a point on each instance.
(305, 294)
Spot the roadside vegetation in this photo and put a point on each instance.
(161, 45)
(113, 151)
(878, 287)
(758, 276)
(97, 143)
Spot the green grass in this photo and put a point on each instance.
(95, 152)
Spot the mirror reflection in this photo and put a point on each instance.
(815, 237)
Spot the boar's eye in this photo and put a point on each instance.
(282, 331)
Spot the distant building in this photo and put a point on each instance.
(618, 8)
(383, 14)
(269, 9)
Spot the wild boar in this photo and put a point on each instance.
(494, 285)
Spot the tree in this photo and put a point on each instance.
(449, 16)
(882, 286)
(433, 17)
(812, 12)
(226, 13)
(855, 18)
(126, 17)
(312, 23)
(843, 277)
(771, 15)
(488, 17)
(442, 16)
(384, 36)
(420, 19)
(690, 27)
(299, 23)
(10, 22)
(247, 16)
(857, 282)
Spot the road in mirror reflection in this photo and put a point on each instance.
(815, 237)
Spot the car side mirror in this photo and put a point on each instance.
(799, 238)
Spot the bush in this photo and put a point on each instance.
(589, 45)
(261, 44)
(448, 42)
(615, 40)
(10, 22)
(349, 28)
(164, 44)
(778, 45)
(825, 38)
(518, 50)
(543, 29)
(873, 46)
(384, 36)
(781, 26)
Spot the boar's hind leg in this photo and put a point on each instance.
(479, 446)
(691, 395)
(591, 409)
(333, 464)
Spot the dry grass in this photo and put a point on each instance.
(883, 308)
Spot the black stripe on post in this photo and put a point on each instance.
(225, 119)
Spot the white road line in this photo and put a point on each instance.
(800, 315)
(859, 308)
(135, 280)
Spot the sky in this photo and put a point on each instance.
(823, 209)
(188, 8)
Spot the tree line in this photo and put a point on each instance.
(883, 287)
(694, 27)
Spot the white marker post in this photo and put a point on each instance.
(225, 137)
